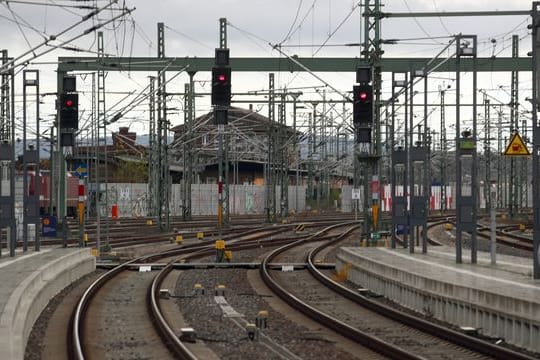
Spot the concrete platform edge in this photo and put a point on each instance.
(32, 295)
(407, 289)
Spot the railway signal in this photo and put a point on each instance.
(221, 79)
(363, 105)
(69, 111)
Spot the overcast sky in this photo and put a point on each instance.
(192, 30)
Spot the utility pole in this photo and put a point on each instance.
(221, 100)
(487, 155)
(164, 181)
(31, 160)
(188, 150)
(466, 156)
(7, 155)
(272, 154)
(369, 153)
(152, 195)
(101, 151)
(283, 162)
(515, 178)
(536, 136)
(444, 195)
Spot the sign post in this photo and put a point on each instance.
(516, 146)
(356, 197)
(82, 171)
(493, 223)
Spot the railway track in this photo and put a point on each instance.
(505, 235)
(399, 335)
(248, 237)
(83, 348)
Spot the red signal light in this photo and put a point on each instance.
(222, 78)
(363, 96)
(69, 103)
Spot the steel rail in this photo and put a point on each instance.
(455, 337)
(340, 327)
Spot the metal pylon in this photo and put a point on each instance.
(162, 126)
(515, 176)
(153, 170)
(283, 162)
(101, 149)
(271, 164)
(189, 151)
(536, 136)
(7, 156)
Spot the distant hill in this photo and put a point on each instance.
(45, 146)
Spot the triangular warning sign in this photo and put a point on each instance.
(516, 147)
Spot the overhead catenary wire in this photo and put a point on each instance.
(46, 4)
(189, 37)
(337, 28)
(33, 50)
(276, 47)
(141, 96)
(19, 27)
(420, 25)
(291, 33)
(294, 21)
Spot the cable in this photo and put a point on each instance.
(440, 18)
(418, 23)
(311, 8)
(19, 26)
(294, 22)
(83, 7)
(189, 37)
(337, 28)
(245, 33)
(54, 37)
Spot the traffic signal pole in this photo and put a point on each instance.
(221, 100)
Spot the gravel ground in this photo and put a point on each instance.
(230, 341)
(221, 334)
(37, 348)
(441, 235)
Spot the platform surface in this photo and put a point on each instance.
(511, 275)
(28, 281)
(14, 270)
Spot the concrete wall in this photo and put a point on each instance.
(243, 199)
(515, 320)
(32, 295)
(347, 204)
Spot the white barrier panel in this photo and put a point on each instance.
(131, 199)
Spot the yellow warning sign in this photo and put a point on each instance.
(516, 147)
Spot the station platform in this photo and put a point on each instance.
(500, 301)
(29, 281)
